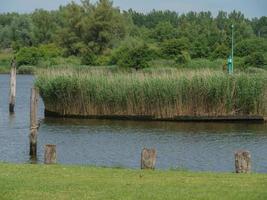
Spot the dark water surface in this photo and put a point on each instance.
(193, 146)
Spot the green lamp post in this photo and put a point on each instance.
(230, 61)
(232, 48)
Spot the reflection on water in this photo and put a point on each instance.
(194, 146)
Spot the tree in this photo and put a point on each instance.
(44, 26)
(221, 51)
(22, 32)
(164, 31)
(103, 25)
(255, 59)
(249, 46)
(174, 47)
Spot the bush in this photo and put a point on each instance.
(183, 58)
(26, 69)
(255, 60)
(174, 47)
(102, 60)
(28, 56)
(137, 57)
(33, 55)
(88, 57)
(249, 46)
(221, 51)
(49, 51)
(133, 53)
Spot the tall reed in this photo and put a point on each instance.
(158, 94)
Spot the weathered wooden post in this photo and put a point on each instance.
(12, 89)
(148, 158)
(34, 122)
(242, 162)
(50, 156)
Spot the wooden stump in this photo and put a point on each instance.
(33, 122)
(148, 158)
(50, 156)
(12, 89)
(242, 161)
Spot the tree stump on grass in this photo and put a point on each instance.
(242, 161)
(148, 159)
(50, 156)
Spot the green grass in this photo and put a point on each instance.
(161, 94)
(77, 182)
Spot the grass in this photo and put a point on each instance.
(161, 94)
(77, 182)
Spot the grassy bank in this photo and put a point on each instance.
(161, 94)
(73, 182)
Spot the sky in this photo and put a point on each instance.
(251, 8)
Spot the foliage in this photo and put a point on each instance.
(164, 31)
(136, 57)
(89, 30)
(26, 69)
(33, 55)
(133, 53)
(28, 56)
(255, 60)
(183, 57)
(249, 46)
(49, 51)
(174, 47)
(221, 51)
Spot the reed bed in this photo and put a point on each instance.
(159, 94)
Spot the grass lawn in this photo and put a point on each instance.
(79, 182)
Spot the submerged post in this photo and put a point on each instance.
(148, 158)
(12, 89)
(50, 156)
(34, 122)
(242, 162)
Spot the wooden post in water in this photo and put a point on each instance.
(50, 156)
(34, 122)
(242, 162)
(148, 158)
(12, 89)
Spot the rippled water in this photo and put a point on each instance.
(193, 146)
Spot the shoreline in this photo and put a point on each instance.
(254, 118)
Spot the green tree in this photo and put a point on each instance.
(174, 47)
(103, 25)
(164, 31)
(44, 26)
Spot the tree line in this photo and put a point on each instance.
(102, 34)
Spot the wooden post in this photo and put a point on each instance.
(12, 91)
(34, 122)
(242, 162)
(148, 158)
(50, 156)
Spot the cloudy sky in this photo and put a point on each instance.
(251, 8)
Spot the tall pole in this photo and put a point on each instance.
(12, 91)
(33, 123)
(232, 48)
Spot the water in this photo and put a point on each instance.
(192, 146)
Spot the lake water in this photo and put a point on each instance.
(192, 146)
